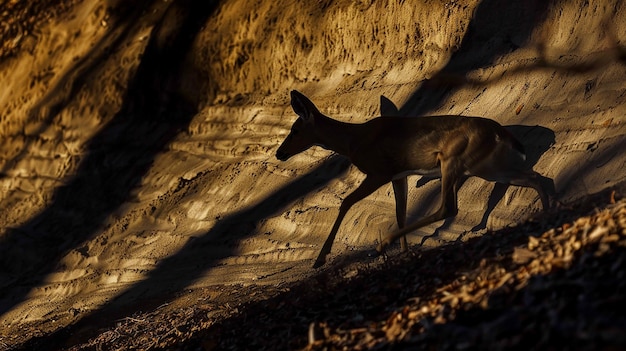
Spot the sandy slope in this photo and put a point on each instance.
(137, 141)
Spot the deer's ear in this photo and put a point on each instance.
(387, 107)
(303, 107)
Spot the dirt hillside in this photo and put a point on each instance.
(137, 167)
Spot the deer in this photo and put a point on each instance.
(390, 148)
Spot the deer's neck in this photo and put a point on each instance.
(335, 135)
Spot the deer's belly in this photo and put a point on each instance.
(434, 173)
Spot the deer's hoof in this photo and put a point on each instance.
(380, 249)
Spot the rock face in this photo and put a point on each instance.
(138, 141)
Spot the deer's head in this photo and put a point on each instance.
(302, 135)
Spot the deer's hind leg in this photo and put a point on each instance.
(450, 175)
(508, 167)
(524, 178)
(532, 179)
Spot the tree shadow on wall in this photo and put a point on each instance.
(60, 95)
(155, 109)
(177, 272)
(496, 29)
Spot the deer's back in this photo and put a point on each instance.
(414, 144)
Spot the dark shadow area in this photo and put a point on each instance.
(598, 155)
(579, 308)
(65, 90)
(118, 156)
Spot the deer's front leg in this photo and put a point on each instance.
(400, 190)
(368, 186)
